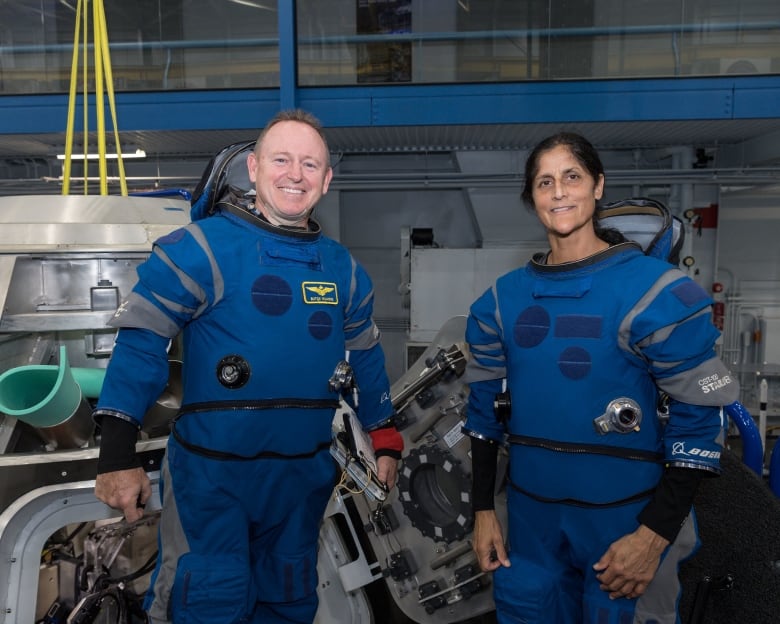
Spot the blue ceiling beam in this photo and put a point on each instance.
(674, 99)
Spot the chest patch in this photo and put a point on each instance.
(320, 292)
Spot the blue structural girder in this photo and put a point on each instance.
(672, 99)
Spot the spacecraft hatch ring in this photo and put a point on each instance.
(435, 493)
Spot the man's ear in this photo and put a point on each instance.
(326, 183)
(251, 165)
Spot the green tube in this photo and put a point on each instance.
(90, 380)
(40, 395)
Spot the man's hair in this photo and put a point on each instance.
(299, 115)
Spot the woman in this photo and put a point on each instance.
(588, 339)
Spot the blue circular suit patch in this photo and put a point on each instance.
(320, 325)
(271, 295)
(531, 327)
(574, 362)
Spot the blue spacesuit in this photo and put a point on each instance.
(587, 349)
(266, 314)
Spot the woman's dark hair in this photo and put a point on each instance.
(586, 155)
(579, 147)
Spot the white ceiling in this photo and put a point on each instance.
(177, 158)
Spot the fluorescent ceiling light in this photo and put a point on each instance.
(254, 5)
(139, 153)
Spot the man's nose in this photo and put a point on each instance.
(295, 171)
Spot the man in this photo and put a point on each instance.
(268, 307)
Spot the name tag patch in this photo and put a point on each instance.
(320, 292)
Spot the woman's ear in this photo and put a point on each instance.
(598, 191)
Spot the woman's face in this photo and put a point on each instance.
(564, 192)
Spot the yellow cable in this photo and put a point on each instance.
(344, 483)
(74, 65)
(110, 91)
(102, 58)
(85, 98)
(99, 106)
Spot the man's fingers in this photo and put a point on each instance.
(133, 513)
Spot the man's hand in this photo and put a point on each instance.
(488, 542)
(387, 470)
(125, 490)
(630, 563)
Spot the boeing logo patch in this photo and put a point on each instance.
(320, 292)
(678, 448)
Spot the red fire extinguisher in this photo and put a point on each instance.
(719, 307)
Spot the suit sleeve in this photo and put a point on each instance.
(485, 370)
(375, 409)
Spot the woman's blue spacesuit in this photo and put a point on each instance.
(266, 314)
(587, 348)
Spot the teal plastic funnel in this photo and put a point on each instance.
(48, 398)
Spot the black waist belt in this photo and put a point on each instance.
(261, 404)
(581, 503)
(258, 404)
(594, 449)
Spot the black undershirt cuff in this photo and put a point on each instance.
(483, 473)
(117, 445)
(671, 502)
(387, 453)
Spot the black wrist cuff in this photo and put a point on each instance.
(483, 473)
(387, 453)
(117, 445)
(671, 502)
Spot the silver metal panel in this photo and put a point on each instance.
(55, 321)
(87, 223)
(6, 270)
(436, 296)
(340, 602)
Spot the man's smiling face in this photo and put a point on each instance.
(291, 172)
